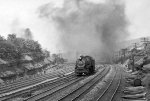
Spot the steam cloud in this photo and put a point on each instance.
(28, 34)
(88, 28)
(21, 31)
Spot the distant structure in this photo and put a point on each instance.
(28, 34)
(145, 42)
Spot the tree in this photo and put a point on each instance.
(2, 38)
(46, 53)
(8, 51)
(11, 37)
(58, 59)
(32, 45)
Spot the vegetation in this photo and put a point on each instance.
(12, 47)
(137, 51)
(23, 54)
(58, 59)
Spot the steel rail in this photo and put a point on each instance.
(84, 89)
(48, 85)
(49, 93)
(27, 82)
(109, 92)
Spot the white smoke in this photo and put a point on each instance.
(20, 31)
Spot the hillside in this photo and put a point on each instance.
(130, 43)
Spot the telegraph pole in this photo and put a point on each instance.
(135, 45)
(145, 43)
(133, 54)
(124, 51)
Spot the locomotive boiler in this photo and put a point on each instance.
(85, 65)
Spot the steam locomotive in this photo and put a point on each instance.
(85, 65)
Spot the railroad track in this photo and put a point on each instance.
(46, 85)
(26, 82)
(83, 90)
(23, 83)
(56, 82)
(109, 91)
(56, 91)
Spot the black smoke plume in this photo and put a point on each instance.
(88, 28)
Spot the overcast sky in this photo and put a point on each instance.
(17, 14)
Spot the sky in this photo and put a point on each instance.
(18, 14)
(138, 14)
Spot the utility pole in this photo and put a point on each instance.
(135, 45)
(120, 56)
(124, 51)
(133, 52)
(145, 43)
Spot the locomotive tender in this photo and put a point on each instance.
(85, 65)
